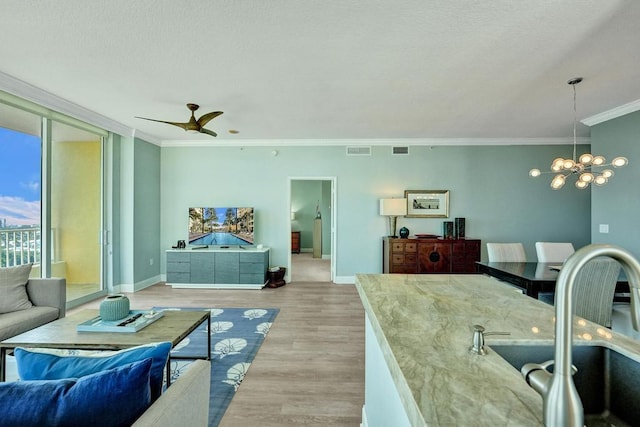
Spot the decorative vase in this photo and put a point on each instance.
(114, 307)
(447, 229)
(404, 232)
(459, 228)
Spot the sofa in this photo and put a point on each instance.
(44, 301)
(59, 387)
(184, 403)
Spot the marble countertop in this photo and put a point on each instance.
(424, 326)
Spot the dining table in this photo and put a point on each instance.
(536, 278)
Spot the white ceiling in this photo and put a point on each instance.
(290, 70)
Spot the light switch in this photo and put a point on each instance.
(604, 228)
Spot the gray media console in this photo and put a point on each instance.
(221, 268)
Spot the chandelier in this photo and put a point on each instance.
(588, 169)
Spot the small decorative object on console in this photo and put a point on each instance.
(447, 229)
(114, 307)
(404, 232)
(459, 228)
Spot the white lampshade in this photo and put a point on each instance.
(393, 207)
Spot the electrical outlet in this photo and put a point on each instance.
(604, 228)
(150, 261)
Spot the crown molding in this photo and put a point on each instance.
(370, 142)
(614, 113)
(48, 100)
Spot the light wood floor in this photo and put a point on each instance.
(310, 369)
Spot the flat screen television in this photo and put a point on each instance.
(221, 226)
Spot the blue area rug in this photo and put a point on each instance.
(236, 336)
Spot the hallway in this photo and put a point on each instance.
(305, 268)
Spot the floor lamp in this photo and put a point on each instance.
(393, 208)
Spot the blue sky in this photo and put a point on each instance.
(19, 177)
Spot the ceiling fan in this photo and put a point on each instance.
(193, 125)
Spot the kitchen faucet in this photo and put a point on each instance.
(562, 405)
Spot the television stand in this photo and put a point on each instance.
(218, 268)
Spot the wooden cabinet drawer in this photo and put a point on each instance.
(397, 258)
(403, 269)
(397, 247)
(404, 247)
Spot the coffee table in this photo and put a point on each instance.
(173, 326)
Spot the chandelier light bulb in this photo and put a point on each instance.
(568, 164)
(534, 172)
(600, 180)
(586, 158)
(607, 173)
(586, 177)
(582, 184)
(557, 182)
(618, 162)
(557, 164)
(598, 160)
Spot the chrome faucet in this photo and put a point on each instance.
(562, 405)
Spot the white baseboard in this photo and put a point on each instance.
(345, 280)
(364, 417)
(138, 286)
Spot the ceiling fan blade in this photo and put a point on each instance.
(181, 125)
(208, 132)
(206, 118)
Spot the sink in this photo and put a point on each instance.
(608, 382)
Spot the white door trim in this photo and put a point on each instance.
(334, 216)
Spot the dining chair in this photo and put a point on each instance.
(594, 290)
(554, 251)
(506, 252)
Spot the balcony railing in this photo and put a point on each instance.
(19, 246)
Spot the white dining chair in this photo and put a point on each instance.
(595, 288)
(506, 252)
(554, 251)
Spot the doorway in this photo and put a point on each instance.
(312, 207)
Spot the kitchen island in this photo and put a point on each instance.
(419, 370)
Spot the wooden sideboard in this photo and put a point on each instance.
(420, 256)
(295, 242)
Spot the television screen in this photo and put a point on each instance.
(221, 226)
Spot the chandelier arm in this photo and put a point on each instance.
(575, 121)
(557, 173)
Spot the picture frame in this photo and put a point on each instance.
(427, 203)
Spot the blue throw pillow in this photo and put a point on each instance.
(41, 364)
(112, 398)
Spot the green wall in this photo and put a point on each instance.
(489, 186)
(618, 202)
(146, 203)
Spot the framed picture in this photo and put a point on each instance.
(427, 203)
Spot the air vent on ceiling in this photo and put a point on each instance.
(400, 151)
(358, 151)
